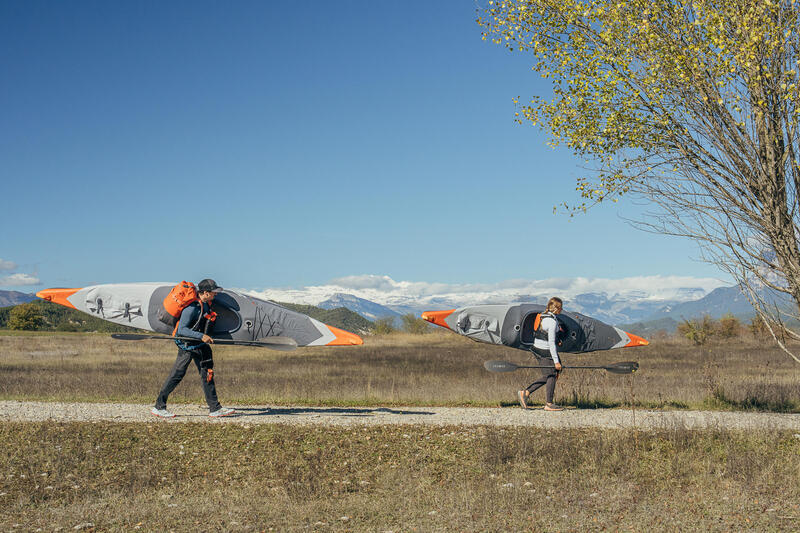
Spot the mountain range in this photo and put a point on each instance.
(616, 302)
(8, 298)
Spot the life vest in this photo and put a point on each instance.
(540, 333)
(179, 298)
(204, 323)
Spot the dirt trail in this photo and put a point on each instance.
(439, 416)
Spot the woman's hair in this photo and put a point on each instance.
(553, 304)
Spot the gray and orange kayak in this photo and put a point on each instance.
(239, 317)
(514, 325)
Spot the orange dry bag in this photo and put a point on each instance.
(181, 295)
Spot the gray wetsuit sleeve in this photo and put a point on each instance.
(549, 324)
(189, 318)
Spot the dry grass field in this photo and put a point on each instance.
(239, 477)
(230, 477)
(400, 369)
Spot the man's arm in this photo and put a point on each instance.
(189, 318)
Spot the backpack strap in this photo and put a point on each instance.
(199, 317)
(538, 332)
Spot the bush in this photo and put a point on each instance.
(698, 331)
(729, 327)
(384, 326)
(758, 328)
(25, 317)
(414, 325)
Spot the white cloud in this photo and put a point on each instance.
(386, 291)
(365, 281)
(19, 280)
(7, 265)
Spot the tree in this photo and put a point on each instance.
(25, 317)
(415, 325)
(384, 326)
(698, 331)
(692, 106)
(729, 327)
(758, 328)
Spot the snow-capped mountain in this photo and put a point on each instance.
(367, 309)
(614, 301)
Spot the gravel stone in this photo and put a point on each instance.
(436, 416)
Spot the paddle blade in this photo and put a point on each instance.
(499, 366)
(282, 344)
(627, 367)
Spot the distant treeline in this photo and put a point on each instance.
(341, 317)
(59, 318)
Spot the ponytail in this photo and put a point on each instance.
(554, 305)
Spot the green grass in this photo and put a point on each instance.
(232, 477)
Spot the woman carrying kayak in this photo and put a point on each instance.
(545, 349)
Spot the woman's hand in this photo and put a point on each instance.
(558, 367)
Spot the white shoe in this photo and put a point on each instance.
(222, 411)
(162, 413)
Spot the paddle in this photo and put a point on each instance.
(283, 344)
(627, 367)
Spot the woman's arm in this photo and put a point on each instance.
(549, 325)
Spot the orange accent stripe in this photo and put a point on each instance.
(58, 296)
(636, 340)
(344, 338)
(437, 317)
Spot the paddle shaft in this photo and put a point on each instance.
(616, 368)
(563, 366)
(277, 342)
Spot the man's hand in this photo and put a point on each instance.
(209, 375)
(207, 339)
(558, 367)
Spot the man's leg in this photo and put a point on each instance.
(203, 361)
(175, 377)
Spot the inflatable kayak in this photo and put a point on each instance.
(239, 317)
(513, 325)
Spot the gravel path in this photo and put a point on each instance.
(439, 416)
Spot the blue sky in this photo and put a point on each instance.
(285, 144)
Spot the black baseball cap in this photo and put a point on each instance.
(208, 285)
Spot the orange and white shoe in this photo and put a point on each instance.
(222, 411)
(523, 398)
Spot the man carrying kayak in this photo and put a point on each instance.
(196, 320)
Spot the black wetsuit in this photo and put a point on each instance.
(192, 324)
(546, 357)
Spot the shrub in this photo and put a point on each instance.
(25, 317)
(729, 327)
(384, 326)
(698, 331)
(413, 324)
(758, 328)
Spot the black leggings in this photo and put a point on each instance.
(549, 374)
